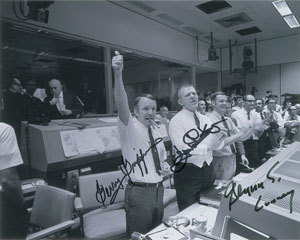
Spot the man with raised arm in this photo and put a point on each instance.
(143, 150)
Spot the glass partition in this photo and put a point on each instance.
(29, 53)
(146, 74)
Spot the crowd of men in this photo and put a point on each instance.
(209, 142)
(211, 137)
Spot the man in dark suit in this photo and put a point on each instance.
(63, 103)
(14, 106)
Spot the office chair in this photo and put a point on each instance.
(51, 211)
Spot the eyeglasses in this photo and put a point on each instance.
(273, 103)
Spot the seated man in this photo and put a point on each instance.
(34, 108)
(13, 101)
(13, 213)
(62, 103)
(291, 124)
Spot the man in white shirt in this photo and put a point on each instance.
(193, 142)
(249, 119)
(202, 106)
(162, 116)
(13, 212)
(291, 124)
(274, 122)
(224, 160)
(239, 103)
(143, 155)
(263, 138)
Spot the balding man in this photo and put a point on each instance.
(62, 104)
(196, 174)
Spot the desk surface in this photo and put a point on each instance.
(197, 211)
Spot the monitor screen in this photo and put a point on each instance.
(235, 230)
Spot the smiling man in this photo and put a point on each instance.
(224, 160)
(197, 174)
(248, 119)
(144, 191)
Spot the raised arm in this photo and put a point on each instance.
(120, 93)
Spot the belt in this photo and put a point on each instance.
(142, 184)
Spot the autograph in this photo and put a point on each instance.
(234, 194)
(192, 138)
(127, 168)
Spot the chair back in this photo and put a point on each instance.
(102, 189)
(51, 206)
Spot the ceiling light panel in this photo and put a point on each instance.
(291, 21)
(282, 7)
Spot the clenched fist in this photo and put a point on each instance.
(117, 62)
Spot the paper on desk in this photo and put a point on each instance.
(69, 143)
(110, 137)
(169, 233)
(109, 119)
(87, 141)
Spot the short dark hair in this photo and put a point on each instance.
(138, 99)
(269, 99)
(238, 97)
(214, 95)
(260, 99)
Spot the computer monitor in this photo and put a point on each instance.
(235, 230)
(267, 200)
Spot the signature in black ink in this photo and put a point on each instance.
(235, 194)
(192, 138)
(127, 168)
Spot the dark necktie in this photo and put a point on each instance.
(154, 152)
(262, 115)
(232, 147)
(197, 121)
(248, 113)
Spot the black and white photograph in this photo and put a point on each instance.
(150, 120)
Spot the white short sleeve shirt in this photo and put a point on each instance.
(137, 151)
(9, 150)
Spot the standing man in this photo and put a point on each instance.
(291, 124)
(196, 175)
(249, 119)
(239, 103)
(274, 122)
(202, 106)
(144, 191)
(224, 160)
(263, 140)
(13, 213)
(162, 116)
(62, 103)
